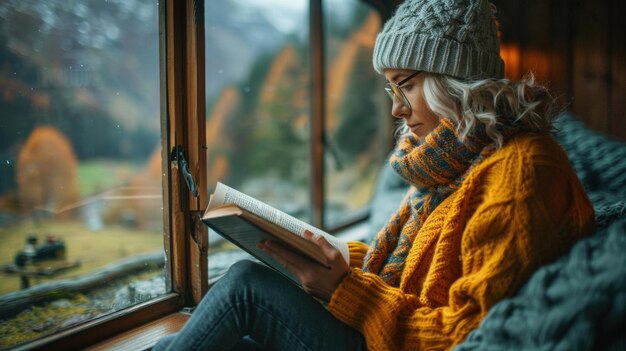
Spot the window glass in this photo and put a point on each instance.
(258, 101)
(357, 123)
(81, 213)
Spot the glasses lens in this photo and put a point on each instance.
(394, 91)
(389, 92)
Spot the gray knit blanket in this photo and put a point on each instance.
(577, 302)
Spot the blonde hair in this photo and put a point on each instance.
(492, 102)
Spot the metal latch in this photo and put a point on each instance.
(180, 162)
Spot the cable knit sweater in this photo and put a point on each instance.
(518, 209)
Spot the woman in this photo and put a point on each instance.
(493, 198)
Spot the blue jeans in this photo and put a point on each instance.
(254, 308)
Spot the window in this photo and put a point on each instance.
(81, 205)
(105, 85)
(258, 100)
(261, 101)
(258, 106)
(357, 135)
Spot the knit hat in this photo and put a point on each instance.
(452, 37)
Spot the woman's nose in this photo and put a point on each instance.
(398, 109)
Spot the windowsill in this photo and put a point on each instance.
(145, 336)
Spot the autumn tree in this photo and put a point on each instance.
(219, 143)
(46, 171)
(279, 139)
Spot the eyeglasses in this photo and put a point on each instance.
(394, 90)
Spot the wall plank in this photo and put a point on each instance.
(535, 41)
(617, 123)
(591, 65)
(560, 47)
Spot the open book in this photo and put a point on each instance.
(245, 221)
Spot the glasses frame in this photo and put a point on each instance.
(394, 90)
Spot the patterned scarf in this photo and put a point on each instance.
(435, 167)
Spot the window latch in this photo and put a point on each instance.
(180, 161)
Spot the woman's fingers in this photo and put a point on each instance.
(330, 251)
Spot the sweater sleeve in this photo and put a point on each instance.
(358, 250)
(503, 243)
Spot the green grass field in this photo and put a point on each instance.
(96, 176)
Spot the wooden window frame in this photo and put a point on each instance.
(317, 114)
(181, 57)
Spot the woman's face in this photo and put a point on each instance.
(418, 117)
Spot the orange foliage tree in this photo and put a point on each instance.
(219, 143)
(46, 171)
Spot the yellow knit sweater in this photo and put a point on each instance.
(518, 209)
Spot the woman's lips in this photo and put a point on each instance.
(414, 127)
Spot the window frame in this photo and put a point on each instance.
(182, 99)
(317, 113)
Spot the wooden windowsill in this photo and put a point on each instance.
(145, 336)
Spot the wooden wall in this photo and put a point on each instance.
(578, 48)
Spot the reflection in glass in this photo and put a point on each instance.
(357, 130)
(81, 218)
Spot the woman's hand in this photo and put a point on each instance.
(316, 279)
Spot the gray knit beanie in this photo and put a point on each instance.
(453, 37)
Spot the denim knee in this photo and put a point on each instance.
(244, 269)
(245, 272)
(244, 275)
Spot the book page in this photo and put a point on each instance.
(224, 194)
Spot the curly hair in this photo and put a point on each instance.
(496, 103)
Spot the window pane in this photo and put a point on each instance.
(81, 221)
(257, 85)
(357, 126)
